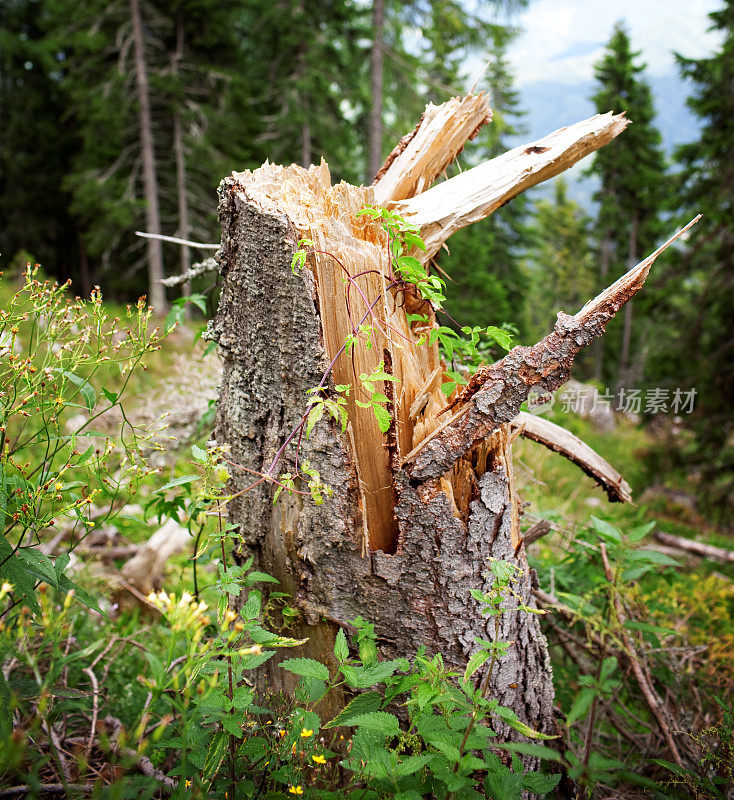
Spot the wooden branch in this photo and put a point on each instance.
(495, 393)
(562, 441)
(423, 154)
(697, 548)
(478, 192)
(639, 668)
(541, 528)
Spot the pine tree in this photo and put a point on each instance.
(561, 263)
(632, 191)
(34, 148)
(701, 322)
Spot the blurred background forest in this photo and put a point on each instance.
(123, 116)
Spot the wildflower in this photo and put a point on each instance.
(295, 789)
(188, 784)
(318, 759)
(306, 733)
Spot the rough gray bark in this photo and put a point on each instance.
(156, 291)
(269, 333)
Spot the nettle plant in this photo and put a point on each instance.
(69, 454)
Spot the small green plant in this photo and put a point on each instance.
(69, 454)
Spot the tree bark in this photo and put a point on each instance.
(376, 62)
(184, 224)
(156, 291)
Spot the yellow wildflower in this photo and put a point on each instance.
(306, 733)
(295, 790)
(318, 759)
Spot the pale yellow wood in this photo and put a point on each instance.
(476, 193)
(427, 151)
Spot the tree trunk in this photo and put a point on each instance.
(598, 346)
(156, 290)
(184, 224)
(418, 512)
(624, 356)
(375, 121)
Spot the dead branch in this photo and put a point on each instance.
(697, 548)
(495, 393)
(562, 441)
(538, 531)
(47, 788)
(640, 670)
(476, 193)
(423, 154)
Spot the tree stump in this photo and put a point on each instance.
(417, 512)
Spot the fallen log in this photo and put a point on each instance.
(700, 549)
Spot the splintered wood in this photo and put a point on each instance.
(348, 245)
(352, 282)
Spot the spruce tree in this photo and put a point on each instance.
(701, 298)
(561, 264)
(631, 196)
(34, 147)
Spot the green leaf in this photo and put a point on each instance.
(184, 479)
(15, 572)
(38, 564)
(475, 662)
(362, 704)
(111, 396)
(528, 749)
(198, 453)
(215, 756)
(383, 417)
(580, 705)
(540, 784)
(638, 534)
(503, 338)
(306, 667)
(605, 530)
(341, 647)
(85, 388)
(379, 721)
(81, 595)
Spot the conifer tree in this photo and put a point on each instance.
(700, 340)
(632, 191)
(34, 147)
(561, 262)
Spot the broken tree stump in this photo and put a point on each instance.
(417, 512)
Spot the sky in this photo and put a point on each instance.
(562, 39)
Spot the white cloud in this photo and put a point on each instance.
(562, 39)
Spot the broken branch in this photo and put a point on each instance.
(476, 193)
(495, 393)
(562, 441)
